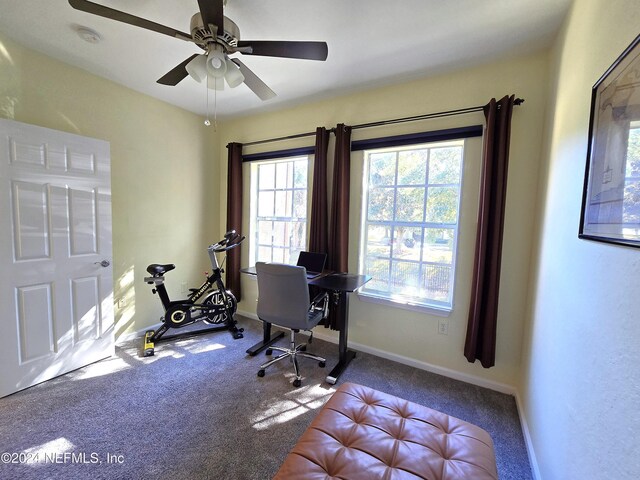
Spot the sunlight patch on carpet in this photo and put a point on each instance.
(202, 348)
(105, 367)
(300, 401)
(52, 450)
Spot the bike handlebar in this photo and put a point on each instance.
(231, 240)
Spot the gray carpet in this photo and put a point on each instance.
(197, 410)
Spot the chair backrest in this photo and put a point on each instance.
(283, 295)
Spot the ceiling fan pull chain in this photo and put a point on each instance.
(215, 110)
(207, 122)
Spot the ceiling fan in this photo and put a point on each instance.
(219, 37)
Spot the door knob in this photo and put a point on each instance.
(103, 263)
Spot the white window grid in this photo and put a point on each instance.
(438, 272)
(282, 248)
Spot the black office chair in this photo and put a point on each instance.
(283, 300)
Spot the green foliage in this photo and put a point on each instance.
(300, 174)
(380, 204)
(412, 167)
(444, 165)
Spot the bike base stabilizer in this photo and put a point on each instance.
(149, 344)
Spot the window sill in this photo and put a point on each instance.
(405, 305)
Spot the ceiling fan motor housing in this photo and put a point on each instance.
(203, 37)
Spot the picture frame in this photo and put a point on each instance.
(611, 191)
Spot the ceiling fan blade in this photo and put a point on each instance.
(176, 74)
(252, 81)
(212, 13)
(102, 11)
(269, 48)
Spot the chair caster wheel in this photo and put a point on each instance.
(297, 383)
(322, 364)
(261, 373)
(303, 348)
(268, 351)
(237, 335)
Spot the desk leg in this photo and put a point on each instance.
(345, 355)
(267, 339)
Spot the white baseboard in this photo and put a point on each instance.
(446, 372)
(252, 316)
(137, 334)
(533, 461)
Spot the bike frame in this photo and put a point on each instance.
(213, 280)
(188, 307)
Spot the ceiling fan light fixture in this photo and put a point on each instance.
(234, 76)
(216, 64)
(197, 68)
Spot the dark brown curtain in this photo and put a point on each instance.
(483, 312)
(318, 235)
(338, 252)
(234, 215)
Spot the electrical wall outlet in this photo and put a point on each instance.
(183, 287)
(121, 303)
(443, 326)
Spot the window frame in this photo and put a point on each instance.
(254, 217)
(396, 299)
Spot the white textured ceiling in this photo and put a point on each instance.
(371, 42)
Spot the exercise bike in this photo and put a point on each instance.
(217, 308)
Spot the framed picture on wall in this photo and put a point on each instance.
(611, 195)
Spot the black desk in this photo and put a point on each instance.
(340, 285)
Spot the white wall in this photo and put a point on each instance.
(581, 378)
(404, 333)
(162, 165)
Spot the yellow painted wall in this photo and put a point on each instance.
(580, 387)
(575, 367)
(404, 333)
(163, 161)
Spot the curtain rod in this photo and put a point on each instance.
(448, 113)
(277, 139)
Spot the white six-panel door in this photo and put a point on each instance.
(56, 278)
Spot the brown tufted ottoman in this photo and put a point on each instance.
(362, 433)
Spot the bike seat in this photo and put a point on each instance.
(156, 269)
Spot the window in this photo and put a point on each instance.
(631, 200)
(279, 209)
(410, 223)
